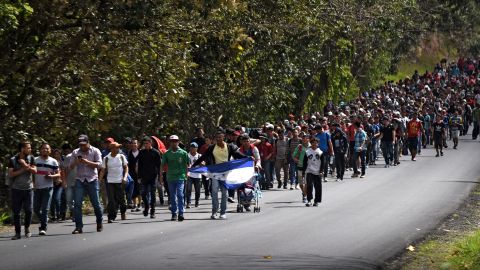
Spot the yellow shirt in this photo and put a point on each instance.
(220, 154)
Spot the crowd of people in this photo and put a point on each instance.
(299, 153)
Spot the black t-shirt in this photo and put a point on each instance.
(438, 129)
(148, 165)
(387, 133)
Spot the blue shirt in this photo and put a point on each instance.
(360, 138)
(323, 140)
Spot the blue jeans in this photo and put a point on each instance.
(92, 189)
(148, 197)
(387, 150)
(22, 199)
(41, 203)
(362, 155)
(69, 194)
(176, 195)
(56, 204)
(293, 172)
(129, 192)
(216, 185)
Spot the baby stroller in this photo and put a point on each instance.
(248, 192)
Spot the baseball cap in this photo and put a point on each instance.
(237, 133)
(83, 139)
(194, 145)
(173, 138)
(110, 140)
(115, 145)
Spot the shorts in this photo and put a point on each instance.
(412, 143)
(301, 177)
(455, 134)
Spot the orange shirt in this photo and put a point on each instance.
(414, 127)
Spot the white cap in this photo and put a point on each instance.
(173, 138)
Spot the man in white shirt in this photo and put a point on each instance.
(313, 159)
(115, 167)
(193, 178)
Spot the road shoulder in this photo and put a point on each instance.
(443, 247)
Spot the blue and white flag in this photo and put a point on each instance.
(233, 173)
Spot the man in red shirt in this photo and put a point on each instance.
(266, 155)
(414, 127)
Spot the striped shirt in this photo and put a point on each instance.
(45, 167)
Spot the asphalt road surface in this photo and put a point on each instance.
(360, 224)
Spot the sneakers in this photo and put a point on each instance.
(110, 221)
(308, 204)
(285, 187)
(174, 217)
(437, 155)
(414, 159)
(145, 213)
(181, 218)
(325, 179)
(99, 227)
(77, 231)
(354, 175)
(291, 187)
(123, 216)
(28, 234)
(304, 199)
(362, 176)
(315, 204)
(247, 208)
(224, 216)
(16, 237)
(213, 216)
(188, 206)
(296, 186)
(196, 204)
(279, 184)
(441, 154)
(152, 216)
(42, 232)
(386, 165)
(231, 200)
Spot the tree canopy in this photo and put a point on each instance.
(123, 68)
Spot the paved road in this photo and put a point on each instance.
(360, 224)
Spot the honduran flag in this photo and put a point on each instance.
(233, 173)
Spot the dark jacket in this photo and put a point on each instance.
(149, 162)
(339, 141)
(132, 164)
(233, 151)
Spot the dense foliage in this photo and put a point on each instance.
(130, 67)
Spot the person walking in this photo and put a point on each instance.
(177, 161)
(456, 124)
(194, 179)
(87, 160)
(414, 126)
(340, 148)
(47, 172)
(299, 156)
(313, 164)
(439, 133)
(360, 151)
(21, 169)
(281, 163)
(217, 153)
(387, 138)
(149, 162)
(115, 168)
